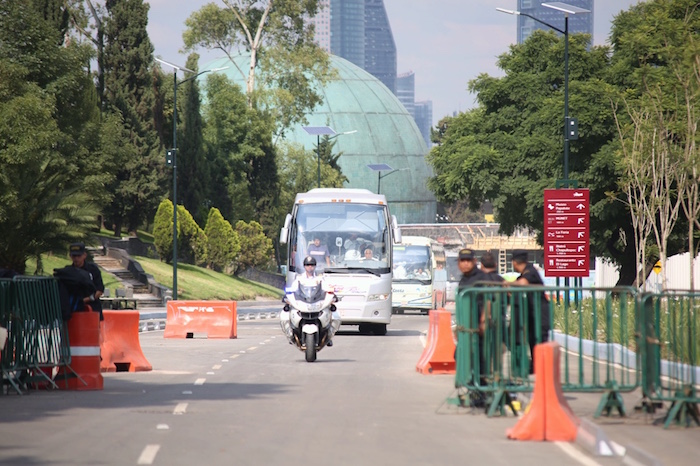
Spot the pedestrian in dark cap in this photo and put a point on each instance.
(78, 255)
(537, 312)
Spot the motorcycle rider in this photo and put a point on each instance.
(307, 277)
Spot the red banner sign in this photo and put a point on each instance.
(566, 232)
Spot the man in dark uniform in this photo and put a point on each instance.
(78, 255)
(471, 275)
(530, 276)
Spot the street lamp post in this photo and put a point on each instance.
(567, 10)
(173, 154)
(379, 168)
(325, 131)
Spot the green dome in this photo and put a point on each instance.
(386, 133)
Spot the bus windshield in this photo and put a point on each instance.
(412, 264)
(342, 237)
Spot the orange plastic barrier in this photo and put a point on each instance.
(121, 348)
(549, 416)
(84, 337)
(439, 354)
(217, 319)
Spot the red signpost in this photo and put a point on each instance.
(566, 232)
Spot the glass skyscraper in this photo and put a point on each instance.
(580, 23)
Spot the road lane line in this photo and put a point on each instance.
(574, 453)
(216, 367)
(234, 356)
(148, 454)
(180, 408)
(251, 348)
(199, 381)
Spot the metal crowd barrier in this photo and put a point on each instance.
(615, 340)
(670, 352)
(38, 342)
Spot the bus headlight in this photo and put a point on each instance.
(378, 297)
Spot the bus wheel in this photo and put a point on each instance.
(365, 329)
(379, 329)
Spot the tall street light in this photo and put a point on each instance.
(172, 154)
(382, 167)
(318, 131)
(570, 125)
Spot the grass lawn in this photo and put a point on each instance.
(199, 283)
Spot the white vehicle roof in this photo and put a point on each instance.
(354, 196)
(415, 241)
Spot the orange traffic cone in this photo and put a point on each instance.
(549, 416)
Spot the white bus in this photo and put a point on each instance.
(419, 276)
(357, 230)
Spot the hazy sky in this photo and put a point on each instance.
(445, 42)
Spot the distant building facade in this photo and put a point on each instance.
(423, 115)
(580, 23)
(406, 90)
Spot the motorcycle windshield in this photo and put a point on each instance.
(309, 293)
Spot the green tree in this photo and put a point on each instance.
(163, 231)
(44, 90)
(256, 248)
(283, 56)
(191, 240)
(128, 60)
(223, 244)
(192, 173)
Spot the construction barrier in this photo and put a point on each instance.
(120, 346)
(215, 319)
(84, 334)
(438, 355)
(549, 416)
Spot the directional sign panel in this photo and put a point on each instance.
(566, 232)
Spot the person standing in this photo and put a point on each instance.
(78, 255)
(529, 276)
(319, 251)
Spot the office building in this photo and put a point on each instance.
(580, 23)
(380, 48)
(406, 90)
(423, 116)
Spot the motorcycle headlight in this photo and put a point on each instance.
(378, 297)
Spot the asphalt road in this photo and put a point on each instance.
(255, 401)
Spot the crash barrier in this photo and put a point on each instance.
(494, 353)
(120, 346)
(438, 354)
(215, 319)
(549, 416)
(84, 332)
(670, 353)
(38, 340)
(614, 340)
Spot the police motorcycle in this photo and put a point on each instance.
(309, 318)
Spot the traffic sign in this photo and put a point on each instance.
(566, 232)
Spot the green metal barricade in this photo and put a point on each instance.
(670, 349)
(44, 335)
(13, 363)
(596, 331)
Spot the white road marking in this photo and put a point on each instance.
(224, 360)
(251, 348)
(163, 427)
(267, 341)
(211, 373)
(180, 408)
(199, 381)
(574, 453)
(187, 392)
(234, 356)
(148, 454)
(216, 367)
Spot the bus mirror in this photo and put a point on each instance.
(338, 241)
(284, 233)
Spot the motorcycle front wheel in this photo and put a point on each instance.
(310, 347)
